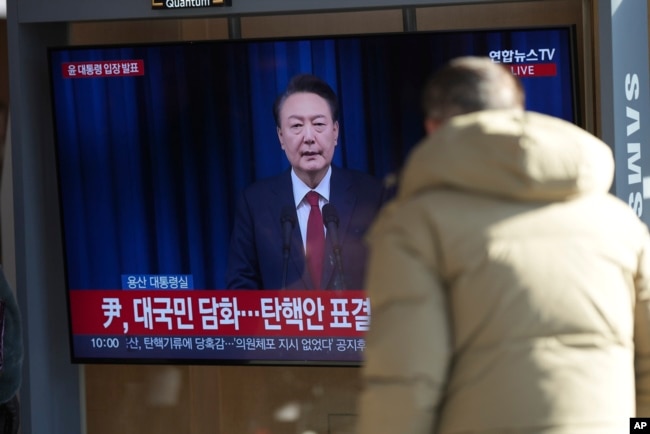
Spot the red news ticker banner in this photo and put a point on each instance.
(104, 68)
(219, 312)
(534, 69)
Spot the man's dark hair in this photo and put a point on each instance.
(307, 83)
(469, 84)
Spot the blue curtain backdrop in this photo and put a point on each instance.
(150, 167)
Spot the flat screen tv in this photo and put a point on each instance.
(155, 144)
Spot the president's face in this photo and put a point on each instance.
(308, 135)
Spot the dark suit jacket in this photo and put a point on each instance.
(255, 260)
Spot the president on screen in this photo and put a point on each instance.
(304, 228)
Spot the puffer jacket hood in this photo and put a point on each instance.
(542, 158)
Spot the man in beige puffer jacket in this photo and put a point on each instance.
(510, 291)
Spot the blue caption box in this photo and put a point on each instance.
(157, 281)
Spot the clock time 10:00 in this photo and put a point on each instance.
(105, 342)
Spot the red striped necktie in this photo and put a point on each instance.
(315, 240)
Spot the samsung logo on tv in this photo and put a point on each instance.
(635, 176)
(181, 4)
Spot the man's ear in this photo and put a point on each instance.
(279, 131)
(431, 125)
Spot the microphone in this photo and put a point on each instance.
(331, 220)
(288, 221)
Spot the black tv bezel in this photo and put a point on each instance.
(578, 115)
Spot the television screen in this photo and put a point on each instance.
(157, 144)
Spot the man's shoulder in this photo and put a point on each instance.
(357, 177)
(272, 183)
